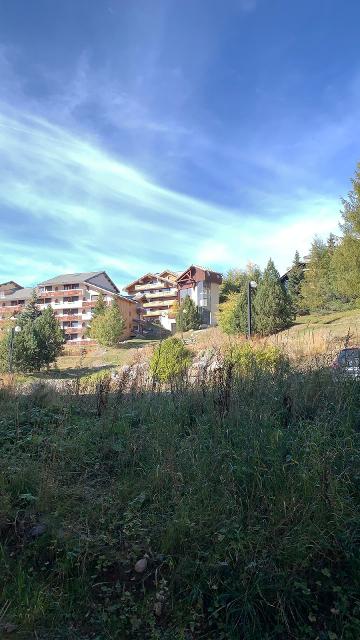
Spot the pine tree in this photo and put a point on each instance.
(272, 305)
(50, 336)
(317, 289)
(31, 310)
(39, 342)
(188, 316)
(107, 329)
(296, 276)
(346, 258)
(100, 306)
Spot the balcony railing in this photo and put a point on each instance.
(60, 293)
(12, 308)
(145, 287)
(159, 303)
(163, 294)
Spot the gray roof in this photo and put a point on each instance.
(71, 278)
(20, 294)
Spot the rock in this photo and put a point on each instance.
(158, 608)
(141, 565)
(37, 530)
(9, 627)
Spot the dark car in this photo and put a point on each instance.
(348, 361)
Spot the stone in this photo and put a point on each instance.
(141, 565)
(37, 530)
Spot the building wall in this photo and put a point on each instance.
(158, 297)
(73, 308)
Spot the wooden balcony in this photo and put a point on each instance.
(88, 304)
(71, 330)
(60, 293)
(68, 317)
(163, 294)
(149, 286)
(159, 303)
(12, 308)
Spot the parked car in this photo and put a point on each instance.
(348, 361)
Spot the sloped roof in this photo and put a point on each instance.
(70, 278)
(156, 276)
(24, 293)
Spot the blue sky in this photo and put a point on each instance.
(140, 135)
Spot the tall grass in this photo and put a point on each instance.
(243, 497)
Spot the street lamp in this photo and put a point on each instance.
(13, 330)
(251, 285)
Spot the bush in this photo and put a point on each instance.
(170, 360)
(248, 360)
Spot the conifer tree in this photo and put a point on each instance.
(188, 316)
(346, 259)
(317, 288)
(31, 310)
(296, 276)
(100, 305)
(272, 305)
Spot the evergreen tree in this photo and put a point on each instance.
(49, 335)
(31, 310)
(346, 258)
(317, 288)
(272, 304)
(39, 342)
(107, 328)
(188, 316)
(100, 306)
(296, 276)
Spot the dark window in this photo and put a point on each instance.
(48, 288)
(67, 287)
(47, 300)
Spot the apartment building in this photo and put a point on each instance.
(73, 298)
(159, 291)
(203, 287)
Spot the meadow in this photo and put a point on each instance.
(222, 511)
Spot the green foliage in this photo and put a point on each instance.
(37, 345)
(31, 310)
(272, 305)
(100, 306)
(188, 316)
(317, 289)
(107, 328)
(170, 360)
(249, 360)
(296, 277)
(249, 521)
(236, 280)
(233, 313)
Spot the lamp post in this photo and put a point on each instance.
(13, 330)
(251, 285)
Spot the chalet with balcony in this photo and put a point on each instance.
(157, 293)
(203, 287)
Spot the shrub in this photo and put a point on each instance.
(107, 328)
(170, 360)
(248, 360)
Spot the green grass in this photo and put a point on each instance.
(245, 499)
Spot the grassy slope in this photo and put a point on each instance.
(245, 500)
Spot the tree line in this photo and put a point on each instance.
(328, 280)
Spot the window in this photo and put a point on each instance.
(72, 336)
(47, 301)
(71, 286)
(48, 288)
